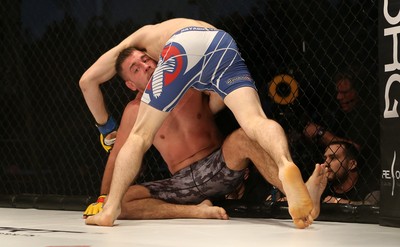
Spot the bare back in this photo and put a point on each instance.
(152, 38)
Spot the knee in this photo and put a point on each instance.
(135, 192)
(239, 136)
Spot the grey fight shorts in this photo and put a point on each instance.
(205, 179)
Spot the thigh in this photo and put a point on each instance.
(205, 179)
(245, 104)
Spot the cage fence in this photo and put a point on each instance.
(294, 49)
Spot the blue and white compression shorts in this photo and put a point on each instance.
(202, 58)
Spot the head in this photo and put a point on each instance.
(135, 68)
(347, 91)
(341, 160)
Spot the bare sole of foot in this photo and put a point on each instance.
(298, 197)
(208, 211)
(316, 185)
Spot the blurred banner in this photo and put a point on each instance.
(389, 75)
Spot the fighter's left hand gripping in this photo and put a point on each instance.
(95, 207)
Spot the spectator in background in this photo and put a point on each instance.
(355, 120)
(345, 182)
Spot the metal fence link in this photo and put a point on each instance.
(294, 50)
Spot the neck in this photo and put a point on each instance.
(346, 185)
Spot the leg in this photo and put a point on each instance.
(246, 107)
(236, 159)
(316, 185)
(138, 204)
(128, 163)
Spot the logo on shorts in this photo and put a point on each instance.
(238, 79)
(171, 65)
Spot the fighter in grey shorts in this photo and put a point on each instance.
(204, 179)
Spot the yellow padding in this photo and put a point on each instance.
(281, 99)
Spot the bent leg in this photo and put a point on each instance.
(237, 158)
(245, 105)
(138, 204)
(238, 149)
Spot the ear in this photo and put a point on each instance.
(352, 164)
(131, 85)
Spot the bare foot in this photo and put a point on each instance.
(103, 218)
(316, 185)
(208, 211)
(298, 197)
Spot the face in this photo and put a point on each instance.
(338, 165)
(346, 95)
(137, 70)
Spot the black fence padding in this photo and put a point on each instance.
(279, 210)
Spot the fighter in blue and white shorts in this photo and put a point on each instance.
(202, 58)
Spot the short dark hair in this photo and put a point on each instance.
(350, 150)
(123, 55)
(356, 74)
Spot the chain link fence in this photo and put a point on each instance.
(294, 50)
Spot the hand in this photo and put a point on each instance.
(95, 207)
(108, 141)
(310, 130)
(108, 133)
(331, 199)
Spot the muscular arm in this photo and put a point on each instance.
(102, 71)
(311, 130)
(150, 39)
(127, 122)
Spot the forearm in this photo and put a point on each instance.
(108, 173)
(322, 135)
(127, 123)
(95, 102)
(100, 72)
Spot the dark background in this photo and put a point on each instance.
(49, 143)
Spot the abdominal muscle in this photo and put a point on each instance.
(178, 157)
(189, 133)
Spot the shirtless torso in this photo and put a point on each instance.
(189, 133)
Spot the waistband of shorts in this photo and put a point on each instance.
(194, 28)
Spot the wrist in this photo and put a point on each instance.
(107, 127)
(320, 133)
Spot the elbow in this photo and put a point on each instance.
(84, 83)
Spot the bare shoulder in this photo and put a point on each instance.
(133, 105)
